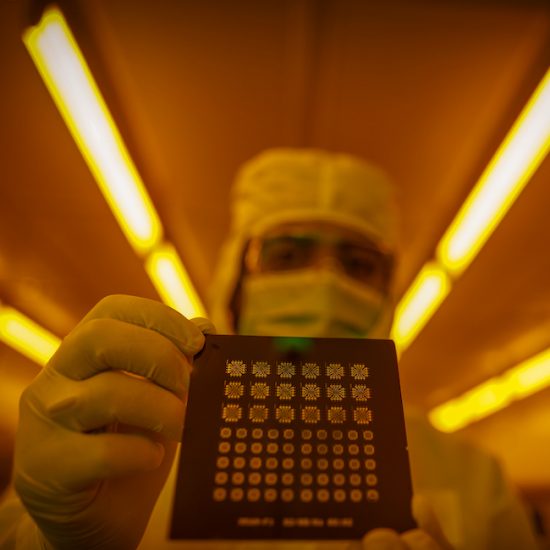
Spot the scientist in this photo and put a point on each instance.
(311, 253)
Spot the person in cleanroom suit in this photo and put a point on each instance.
(311, 252)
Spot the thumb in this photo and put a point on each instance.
(427, 521)
(204, 325)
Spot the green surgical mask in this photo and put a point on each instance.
(309, 303)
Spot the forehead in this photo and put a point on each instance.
(320, 229)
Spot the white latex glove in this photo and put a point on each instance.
(428, 535)
(95, 444)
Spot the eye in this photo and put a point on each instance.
(285, 253)
(366, 265)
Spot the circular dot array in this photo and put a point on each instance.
(258, 464)
(286, 494)
(353, 436)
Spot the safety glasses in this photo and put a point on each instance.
(288, 250)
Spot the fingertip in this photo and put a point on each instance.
(381, 533)
(151, 458)
(174, 432)
(422, 512)
(418, 505)
(157, 456)
(204, 325)
(427, 520)
(382, 539)
(120, 455)
(418, 538)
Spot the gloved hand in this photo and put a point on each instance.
(96, 442)
(428, 535)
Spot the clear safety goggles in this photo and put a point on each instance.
(301, 248)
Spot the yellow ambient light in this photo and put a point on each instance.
(518, 157)
(69, 81)
(172, 281)
(489, 397)
(26, 336)
(419, 303)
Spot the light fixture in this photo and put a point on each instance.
(515, 161)
(172, 281)
(494, 394)
(69, 81)
(419, 303)
(24, 335)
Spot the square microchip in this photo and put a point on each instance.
(292, 438)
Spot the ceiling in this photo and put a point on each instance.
(427, 89)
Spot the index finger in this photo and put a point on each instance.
(108, 344)
(150, 314)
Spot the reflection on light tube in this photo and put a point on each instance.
(515, 161)
(493, 395)
(419, 303)
(25, 336)
(172, 281)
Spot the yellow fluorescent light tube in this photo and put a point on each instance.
(518, 157)
(172, 281)
(520, 154)
(69, 81)
(419, 303)
(493, 395)
(24, 335)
